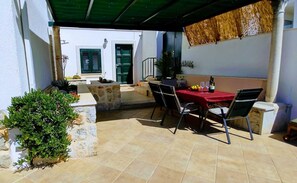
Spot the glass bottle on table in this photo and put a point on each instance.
(212, 84)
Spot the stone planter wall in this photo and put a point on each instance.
(83, 132)
(107, 96)
(5, 160)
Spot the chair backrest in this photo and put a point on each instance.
(170, 97)
(243, 102)
(157, 93)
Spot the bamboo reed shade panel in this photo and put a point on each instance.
(246, 21)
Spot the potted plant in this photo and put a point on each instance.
(64, 86)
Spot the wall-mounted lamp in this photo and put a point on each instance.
(105, 43)
(64, 42)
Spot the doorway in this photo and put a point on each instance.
(124, 64)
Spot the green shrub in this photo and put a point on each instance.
(42, 120)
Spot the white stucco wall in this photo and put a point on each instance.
(23, 27)
(248, 57)
(37, 41)
(13, 70)
(295, 15)
(94, 38)
(288, 74)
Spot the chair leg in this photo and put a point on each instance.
(163, 118)
(249, 127)
(153, 111)
(180, 119)
(226, 130)
(203, 120)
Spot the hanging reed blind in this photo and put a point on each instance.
(246, 21)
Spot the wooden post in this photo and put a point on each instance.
(58, 54)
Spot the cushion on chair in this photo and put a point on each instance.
(185, 111)
(217, 111)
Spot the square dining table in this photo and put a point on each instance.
(203, 98)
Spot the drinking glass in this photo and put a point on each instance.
(202, 85)
(207, 85)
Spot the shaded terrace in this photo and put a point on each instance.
(132, 148)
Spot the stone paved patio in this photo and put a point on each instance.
(132, 148)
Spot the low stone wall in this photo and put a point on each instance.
(5, 160)
(83, 132)
(107, 95)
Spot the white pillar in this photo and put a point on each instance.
(295, 15)
(275, 49)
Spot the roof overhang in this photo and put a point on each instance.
(162, 15)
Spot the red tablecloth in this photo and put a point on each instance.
(204, 98)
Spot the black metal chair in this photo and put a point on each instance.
(156, 91)
(239, 108)
(172, 103)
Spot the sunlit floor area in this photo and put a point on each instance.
(134, 148)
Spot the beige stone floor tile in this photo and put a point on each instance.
(279, 150)
(139, 142)
(140, 169)
(46, 174)
(230, 176)
(100, 158)
(102, 174)
(175, 161)
(194, 179)
(24, 180)
(264, 170)
(118, 161)
(254, 147)
(182, 145)
(125, 178)
(166, 175)
(9, 176)
(254, 179)
(112, 145)
(232, 163)
(233, 151)
(253, 156)
(284, 163)
(131, 150)
(204, 170)
(288, 175)
(79, 165)
(204, 158)
(67, 177)
(205, 148)
(152, 156)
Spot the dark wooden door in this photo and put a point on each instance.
(124, 66)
